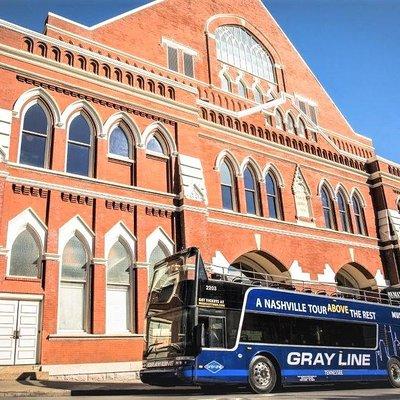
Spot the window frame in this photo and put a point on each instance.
(258, 92)
(130, 286)
(281, 124)
(359, 217)
(38, 241)
(232, 186)
(92, 145)
(332, 218)
(49, 133)
(173, 48)
(160, 139)
(128, 135)
(241, 85)
(276, 198)
(345, 213)
(87, 286)
(224, 77)
(184, 56)
(254, 192)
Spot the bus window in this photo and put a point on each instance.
(214, 330)
(276, 329)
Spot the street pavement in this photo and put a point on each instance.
(136, 391)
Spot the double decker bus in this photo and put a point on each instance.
(240, 327)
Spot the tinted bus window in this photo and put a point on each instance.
(276, 329)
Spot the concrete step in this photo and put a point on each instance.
(22, 372)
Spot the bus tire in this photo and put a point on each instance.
(394, 372)
(262, 375)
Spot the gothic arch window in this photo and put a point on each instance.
(35, 136)
(118, 296)
(80, 143)
(344, 213)
(227, 187)
(157, 254)
(273, 197)
(251, 191)
(359, 216)
(156, 145)
(290, 124)
(74, 296)
(258, 96)
(26, 255)
(242, 89)
(328, 209)
(226, 83)
(238, 47)
(279, 120)
(301, 128)
(120, 143)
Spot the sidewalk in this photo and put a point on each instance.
(31, 388)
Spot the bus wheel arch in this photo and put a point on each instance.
(393, 367)
(264, 366)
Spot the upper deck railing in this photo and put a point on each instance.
(259, 279)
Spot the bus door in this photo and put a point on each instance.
(214, 331)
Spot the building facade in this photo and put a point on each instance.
(176, 124)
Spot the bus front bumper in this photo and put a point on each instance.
(181, 376)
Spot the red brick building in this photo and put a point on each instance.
(176, 124)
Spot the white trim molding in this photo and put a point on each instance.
(117, 232)
(69, 230)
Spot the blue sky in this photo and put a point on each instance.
(352, 46)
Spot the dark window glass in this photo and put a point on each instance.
(226, 187)
(359, 216)
(79, 131)
(119, 143)
(250, 191)
(276, 329)
(155, 145)
(79, 147)
(343, 213)
(35, 120)
(34, 137)
(214, 331)
(327, 209)
(272, 197)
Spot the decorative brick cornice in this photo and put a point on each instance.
(119, 205)
(159, 212)
(96, 100)
(74, 198)
(30, 191)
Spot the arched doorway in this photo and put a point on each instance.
(354, 278)
(259, 265)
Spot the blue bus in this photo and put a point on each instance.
(217, 329)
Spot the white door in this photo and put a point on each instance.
(8, 326)
(19, 323)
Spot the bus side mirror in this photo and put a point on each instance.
(199, 336)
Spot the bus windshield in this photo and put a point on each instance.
(170, 313)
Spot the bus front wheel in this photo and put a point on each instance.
(394, 372)
(262, 375)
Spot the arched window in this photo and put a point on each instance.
(273, 197)
(278, 119)
(237, 46)
(154, 145)
(250, 190)
(258, 96)
(35, 137)
(344, 214)
(345, 280)
(290, 124)
(301, 129)
(118, 303)
(79, 157)
(119, 143)
(74, 296)
(327, 208)
(227, 187)
(226, 84)
(158, 253)
(242, 89)
(26, 256)
(359, 216)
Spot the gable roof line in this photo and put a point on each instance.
(308, 67)
(109, 20)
